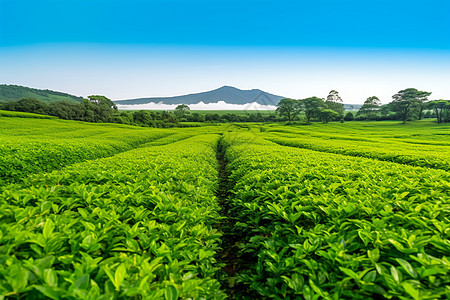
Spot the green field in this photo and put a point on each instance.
(356, 210)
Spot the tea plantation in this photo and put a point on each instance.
(359, 210)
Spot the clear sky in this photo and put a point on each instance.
(297, 49)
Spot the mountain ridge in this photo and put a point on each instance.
(228, 94)
(10, 92)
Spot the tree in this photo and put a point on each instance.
(408, 102)
(349, 116)
(98, 108)
(288, 108)
(30, 105)
(182, 110)
(142, 117)
(196, 117)
(441, 109)
(327, 115)
(66, 110)
(312, 107)
(334, 102)
(370, 108)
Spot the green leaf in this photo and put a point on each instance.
(171, 293)
(308, 294)
(82, 282)
(349, 273)
(48, 229)
(48, 292)
(188, 276)
(374, 255)
(316, 288)
(370, 277)
(411, 291)
(18, 277)
(83, 213)
(396, 244)
(119, 276)
(407, 266)
(109, 274)
(432, 271)
(395, 273)
(50, 277)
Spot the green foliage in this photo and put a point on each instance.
(31, 145)
(409, 103)
(97, 109)
(28, 105)
(327, 115)
(15, 114)
(370, 108)
(312, 107)
(413, 149)
(319, 225)
(288, 108)
(349, 116)
(181, 111)
(15, 92)
(335, 103)
(441, 108)
(138, 225)
(107, 211)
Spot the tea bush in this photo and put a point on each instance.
(321, 225)
(136, 225)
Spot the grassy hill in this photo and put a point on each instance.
(15, 92)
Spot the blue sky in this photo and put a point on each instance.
(135, 48)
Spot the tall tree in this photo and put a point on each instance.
(312, 107)
(408, 102)
(327, 115)
(370, 107)
(334, 102)
(441, 108)
(288, 108)
(182, 110)
(98, 108)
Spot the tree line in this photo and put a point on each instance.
(101, 109)
(407, 104)
(97, 109)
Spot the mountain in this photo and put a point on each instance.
(16, 92)
(353, 107)
(227, 94)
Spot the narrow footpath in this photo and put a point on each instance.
(229, 253)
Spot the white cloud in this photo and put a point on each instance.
(221, 105)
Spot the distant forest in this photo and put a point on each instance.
(407, 105)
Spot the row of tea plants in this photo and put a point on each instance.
(319, 225)
(415, 154)
(29, 146)
(140, 224)
(419, 144)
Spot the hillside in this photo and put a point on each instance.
(15, 92)
(227, 94)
